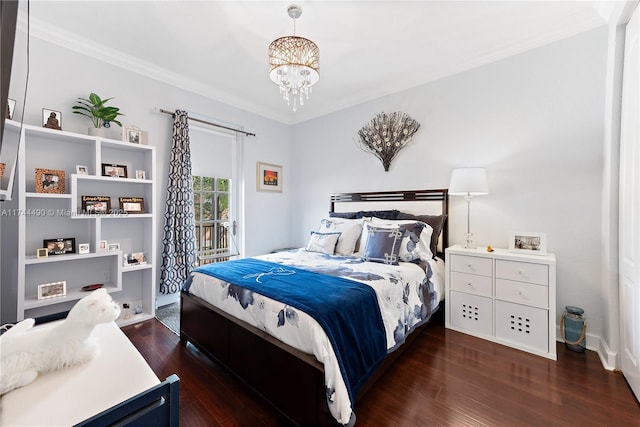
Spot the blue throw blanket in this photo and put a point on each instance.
(348, 311)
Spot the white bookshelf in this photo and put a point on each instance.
(42, 216)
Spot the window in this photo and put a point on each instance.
(213, 229)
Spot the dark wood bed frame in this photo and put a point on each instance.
(268, 366)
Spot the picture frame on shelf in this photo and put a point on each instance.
(50, 181)
(528, 242)
(2, 166)
(140, 174)
(42, 253)
(96, 205)
(83, 248)
(82, 170)
(11, 108)
(134, 258)
(268, 177)
(51, 119)
(102, 245)
(114, 171)
(52, 290)
(113, 247)
(132, 134)
(60, 245)
(131, 205)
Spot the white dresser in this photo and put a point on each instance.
(508, 298)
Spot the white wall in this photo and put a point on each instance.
(59, 76)
(534, 121)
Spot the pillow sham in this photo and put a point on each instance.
(436, 222)
(383, 244)
(323, 242)
(350, 229)
(416, 243)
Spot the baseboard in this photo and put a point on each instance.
(608, 358)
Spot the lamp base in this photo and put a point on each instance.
(468, 241)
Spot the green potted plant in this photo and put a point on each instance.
(98, 112)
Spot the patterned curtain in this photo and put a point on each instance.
(179, 243)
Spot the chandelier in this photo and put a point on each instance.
(294, 64)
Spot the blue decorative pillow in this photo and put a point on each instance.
(323, 242)
(383, 244)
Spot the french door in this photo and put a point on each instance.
(216, 171)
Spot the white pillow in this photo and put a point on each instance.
(350, 230)
(323, 242)
(408, 251)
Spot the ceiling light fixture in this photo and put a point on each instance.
(294, 63)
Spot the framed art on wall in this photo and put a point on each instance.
(528, 242)
(269, 177)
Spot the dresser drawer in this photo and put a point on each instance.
(523, 325)
(471, 312)
(522, 293)
(522, 271)
(471, 265)
(471, 283)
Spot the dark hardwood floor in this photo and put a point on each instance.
(444, 379)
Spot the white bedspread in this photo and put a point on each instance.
(405, 296)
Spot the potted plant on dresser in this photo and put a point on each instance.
(101, 116)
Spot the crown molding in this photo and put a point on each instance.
(58, 36)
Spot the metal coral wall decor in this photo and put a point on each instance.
(386, 135)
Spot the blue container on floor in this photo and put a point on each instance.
(573, 329)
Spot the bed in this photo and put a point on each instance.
(267, 338)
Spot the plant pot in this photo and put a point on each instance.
(103, 132)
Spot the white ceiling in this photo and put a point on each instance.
(367, 48)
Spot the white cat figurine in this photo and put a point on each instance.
(25, 352)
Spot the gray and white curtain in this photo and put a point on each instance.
(179, 243)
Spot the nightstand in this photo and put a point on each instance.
(505, 297)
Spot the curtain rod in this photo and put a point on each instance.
(209, 123)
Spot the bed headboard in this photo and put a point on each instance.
(417, 202)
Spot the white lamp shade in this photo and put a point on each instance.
(468, 182)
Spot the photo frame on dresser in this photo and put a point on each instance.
(528, 242)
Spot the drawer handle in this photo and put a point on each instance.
(519, 292)
(469, 265)
(469, 284)
(520, 273)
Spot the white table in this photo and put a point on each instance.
(69, 396)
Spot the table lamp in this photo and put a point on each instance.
(468, 182)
